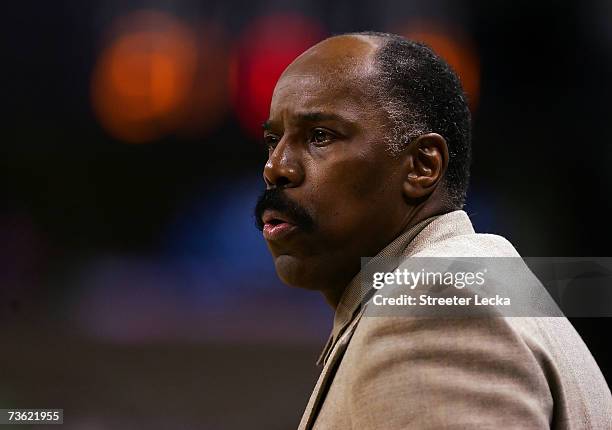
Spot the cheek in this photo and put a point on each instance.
(352, 193)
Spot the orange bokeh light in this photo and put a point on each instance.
(456, 48)
(145, 75)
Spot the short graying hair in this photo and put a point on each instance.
(420, 93)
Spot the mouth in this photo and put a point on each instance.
(277, 225)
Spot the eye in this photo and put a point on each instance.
(321, 137)
(270, 141)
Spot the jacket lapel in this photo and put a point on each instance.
(326, 376)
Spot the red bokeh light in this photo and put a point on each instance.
(264, 50)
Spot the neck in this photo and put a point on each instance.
(414, 216)
(333, 297)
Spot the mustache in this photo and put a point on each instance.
(276, 199)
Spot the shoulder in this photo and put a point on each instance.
(452, 235)
(476, 371)
(468, 245)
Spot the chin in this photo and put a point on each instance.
(297, 272)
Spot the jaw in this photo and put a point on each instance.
(298, 272)
(322, 274)
(295, 271)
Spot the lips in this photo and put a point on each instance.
(277, 225)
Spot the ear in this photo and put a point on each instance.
(426, 163)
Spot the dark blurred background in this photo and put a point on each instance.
(135, 291)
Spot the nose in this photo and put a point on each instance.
(283, 168)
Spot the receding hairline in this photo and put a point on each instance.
(330, 53)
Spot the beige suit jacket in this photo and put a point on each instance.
(388, 373)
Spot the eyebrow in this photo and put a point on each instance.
(315, 116)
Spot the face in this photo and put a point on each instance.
(333, 192)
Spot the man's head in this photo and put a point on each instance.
(368, 134)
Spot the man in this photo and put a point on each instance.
(369, 151)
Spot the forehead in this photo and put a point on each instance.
(332, 76)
